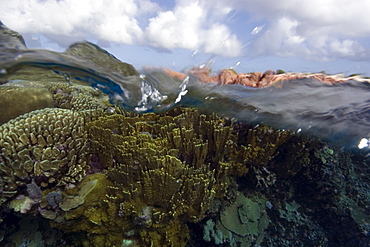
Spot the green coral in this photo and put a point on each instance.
(211, 233)
(324, 154)
(291, 213)
(244, 222)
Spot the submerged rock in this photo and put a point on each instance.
(16, 101)
(91, 53)
(10, 39)
(258, 79)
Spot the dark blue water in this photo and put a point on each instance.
(339, 113)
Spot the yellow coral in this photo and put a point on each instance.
(163, 167)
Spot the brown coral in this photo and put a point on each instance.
(77, 97)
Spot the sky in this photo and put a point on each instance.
(246, 35)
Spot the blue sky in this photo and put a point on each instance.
(247, 35)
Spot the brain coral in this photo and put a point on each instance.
(47, 146)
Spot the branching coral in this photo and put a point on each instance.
(163, 169)
(271, 153)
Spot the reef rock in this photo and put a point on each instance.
(91, 53)
(16, 101)
(256, 79)
(10, 39)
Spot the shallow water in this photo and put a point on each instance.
(340, 113)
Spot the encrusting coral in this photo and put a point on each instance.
(241, 224)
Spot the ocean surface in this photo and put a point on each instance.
(338, 113)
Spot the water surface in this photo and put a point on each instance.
(339, 113)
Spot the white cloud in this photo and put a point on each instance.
(177, 28)
(219, 40)
(113, 20)
(257, 29)
(315, 29)
(190, 25)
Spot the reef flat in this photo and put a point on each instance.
(84, 165)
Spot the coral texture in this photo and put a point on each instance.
(48, 146)
(162, 167)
